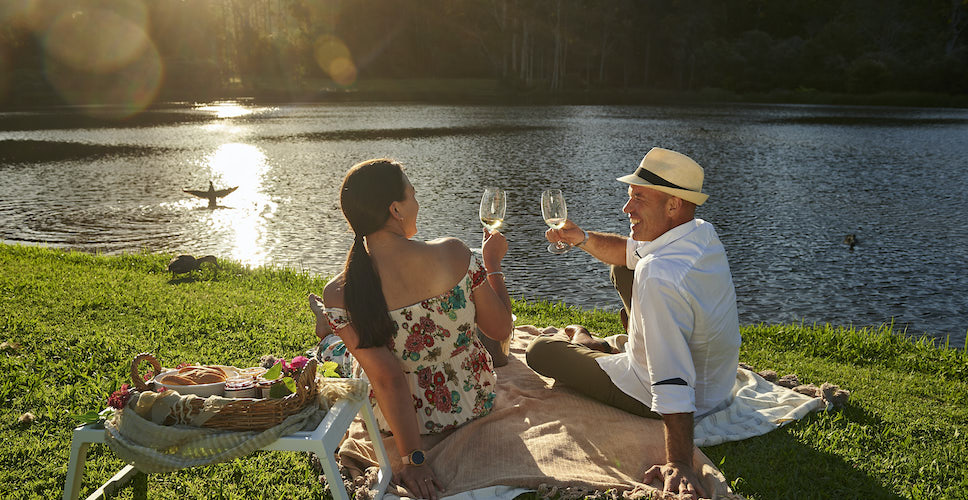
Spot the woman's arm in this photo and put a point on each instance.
(395, 399)
(393, 395)
(492, 302)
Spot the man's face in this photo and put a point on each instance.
(649, 213)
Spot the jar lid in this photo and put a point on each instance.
(239, 383)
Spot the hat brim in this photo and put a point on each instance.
(685, 194)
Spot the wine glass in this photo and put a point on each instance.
(493, 206)
(555, 214)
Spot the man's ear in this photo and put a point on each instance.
(674, 204)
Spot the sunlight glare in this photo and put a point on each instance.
(244, 223)
(226, 109)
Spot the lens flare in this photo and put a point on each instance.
(96, 40)
(98, 54)
(13, 9)
(114, 95)
(333, 56)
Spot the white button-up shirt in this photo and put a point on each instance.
(683, 346)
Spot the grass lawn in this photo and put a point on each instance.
(71, 323)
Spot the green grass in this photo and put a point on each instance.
(77, 320)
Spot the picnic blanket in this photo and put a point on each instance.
(542, 436)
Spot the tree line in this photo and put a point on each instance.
(856, 46)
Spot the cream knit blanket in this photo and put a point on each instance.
(137, 436)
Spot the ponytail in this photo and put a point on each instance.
(365, 197)
(364, 298)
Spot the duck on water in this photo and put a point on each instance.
(212, 195)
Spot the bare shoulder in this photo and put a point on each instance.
(452, 254)
(333, 293)
(451, 250)
(448, 244)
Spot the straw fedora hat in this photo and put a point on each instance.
(669, 172)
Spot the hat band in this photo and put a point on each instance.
(655, 179)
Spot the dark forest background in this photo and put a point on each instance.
(204, 48)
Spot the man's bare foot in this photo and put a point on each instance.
(580, 335)
(322, 324)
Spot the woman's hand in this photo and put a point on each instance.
(419, 480)
(493, 248)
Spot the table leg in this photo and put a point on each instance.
(386, 473)
(75, 469)
(327, 459)
(127, 473)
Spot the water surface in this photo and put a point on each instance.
(786, 184)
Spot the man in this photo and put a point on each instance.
(683, 345)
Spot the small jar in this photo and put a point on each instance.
(240, 388)
(263, 386)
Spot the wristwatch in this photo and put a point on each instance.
(584, 240)
(416, 457)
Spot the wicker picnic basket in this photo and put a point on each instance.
(244, 414)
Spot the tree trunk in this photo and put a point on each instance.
(648, 56)
(556, 52)
(956, 25)
(601, 64)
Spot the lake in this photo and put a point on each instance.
(786, 185)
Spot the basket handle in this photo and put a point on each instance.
(136, 378)
(307, 377)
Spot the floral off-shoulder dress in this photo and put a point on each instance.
(451, 374)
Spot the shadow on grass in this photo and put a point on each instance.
(193, 277)
(780, 465)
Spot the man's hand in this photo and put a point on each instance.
(570, 233)
(677, 478)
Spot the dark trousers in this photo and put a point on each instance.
(574, 365)
(622, 278)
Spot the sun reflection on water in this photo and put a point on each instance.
(229, 109)
(243, 222)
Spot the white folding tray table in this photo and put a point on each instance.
(323, 441)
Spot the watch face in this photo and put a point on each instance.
(417, 457)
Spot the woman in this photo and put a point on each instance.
(407, 310)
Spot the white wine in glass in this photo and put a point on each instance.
(555, 214)
(493, 206)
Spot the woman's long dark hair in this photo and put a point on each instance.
(365, 197)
